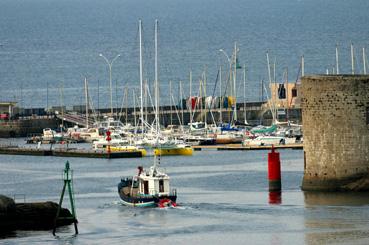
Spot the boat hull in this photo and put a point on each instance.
(147, 201)
(127, 149)
(188, 151)
(222, 141)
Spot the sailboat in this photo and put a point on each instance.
(169, 147)
(173, 148)
(148, 188)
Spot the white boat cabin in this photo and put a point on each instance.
(154, 182)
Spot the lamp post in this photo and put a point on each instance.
(230, 79)
(110, 64)
(226, 55)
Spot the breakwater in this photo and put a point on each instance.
(254, 113)
(14, 150)
(30, 216)
(25, 126)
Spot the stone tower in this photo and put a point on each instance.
(335, 115)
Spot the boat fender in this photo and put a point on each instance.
(166, 203)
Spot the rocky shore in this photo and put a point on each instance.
(30, 216)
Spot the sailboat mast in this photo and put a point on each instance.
(275, 88)
(126, 102)
(200, 95)
(145, 96)
(47, 97)
(170, 101)
(234, 82)
(244, 93)
(86, 96)
(62, 101)
(352, 59)
(270, 85)
(141, 77)
(364, 61)
(156, 79)
(302, 66)
(181, 97)
(206, 111)
(134, 109)
(190, 100)
(337, 66)
(287, 98)
(220, 95)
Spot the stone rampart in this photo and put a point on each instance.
(335, 113)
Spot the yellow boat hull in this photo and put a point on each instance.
(128, 149)
(173, 151)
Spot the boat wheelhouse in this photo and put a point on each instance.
(147, 189)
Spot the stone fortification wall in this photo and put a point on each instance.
(335, 114)
(22, 128)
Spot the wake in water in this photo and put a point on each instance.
(180, 206)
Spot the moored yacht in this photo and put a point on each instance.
(173, 148)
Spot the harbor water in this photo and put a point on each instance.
(47, 48)
(222, 195)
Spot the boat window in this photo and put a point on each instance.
(161, 185)
(135, 184)
(146, 187)
(294, 92)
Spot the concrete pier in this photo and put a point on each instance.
(11, 150)
(335, 114)
(239, 147)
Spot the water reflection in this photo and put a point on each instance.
(336, 198)
(332, 217)
(275, 197)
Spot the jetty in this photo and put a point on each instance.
(239, 147)
(67, 152)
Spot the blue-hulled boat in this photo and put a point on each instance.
(147, 189)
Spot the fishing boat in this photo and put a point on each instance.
(149, 188)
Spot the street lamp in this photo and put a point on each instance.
(229, 61)
(226, 55)
(234, 78)
(110, 64)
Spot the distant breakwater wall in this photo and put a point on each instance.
(25, 127)
(256, 113)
